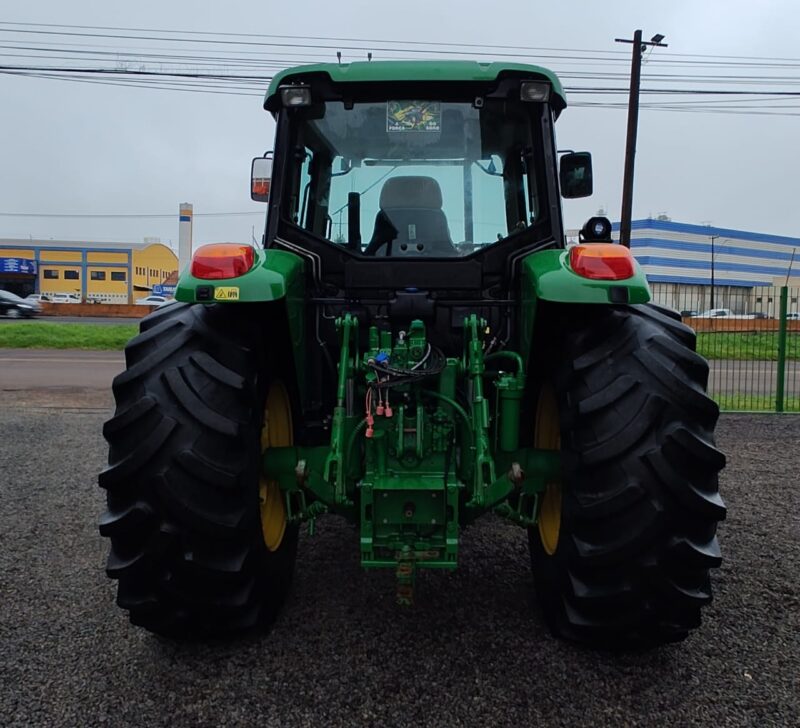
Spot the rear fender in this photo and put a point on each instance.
(276, 275)
(547, 276)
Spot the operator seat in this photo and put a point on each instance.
(410, 220)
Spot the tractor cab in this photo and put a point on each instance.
(448, 161)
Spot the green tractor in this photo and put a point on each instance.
(415, 346)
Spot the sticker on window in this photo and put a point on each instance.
(413, 116)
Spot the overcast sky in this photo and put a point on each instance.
(92, 149)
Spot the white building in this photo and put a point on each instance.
(747, 268)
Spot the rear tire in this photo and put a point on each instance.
(183, 477)
(640, 496)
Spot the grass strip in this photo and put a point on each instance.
(750, 346)
(754, 402)
(43, 335)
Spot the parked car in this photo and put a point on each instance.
(792, 315)
(724, 313)
(13, 306)
(688, 313)
(153, 301)
(64, 298)
(38, 297)
(715, 313)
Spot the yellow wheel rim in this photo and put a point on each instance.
(277, 432)
(547, 436)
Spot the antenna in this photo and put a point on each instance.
(339, 57)
(369, 56)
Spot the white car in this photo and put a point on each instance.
(715, 313)
(37, 298)
(64, 297)
(152, 301)
(724, 313)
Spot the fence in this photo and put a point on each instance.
(752, 343)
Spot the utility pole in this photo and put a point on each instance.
(633, 123)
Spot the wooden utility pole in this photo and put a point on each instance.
(633, 123)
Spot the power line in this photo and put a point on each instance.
(621, 56)
(434, 47)
(248, 79)
(265, 78)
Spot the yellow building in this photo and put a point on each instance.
(105, 272)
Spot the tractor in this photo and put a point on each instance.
(415, 345)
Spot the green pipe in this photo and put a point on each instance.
(509, 397)
(344, 361)
(779, 390)
(508, 355)
(510, 391)
(447, 379)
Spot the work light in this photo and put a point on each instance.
(534, 91)
(293, 96)
(596, 229)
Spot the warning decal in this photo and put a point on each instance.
(226, 293)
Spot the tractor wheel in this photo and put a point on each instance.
(199, 540)
(625, 541)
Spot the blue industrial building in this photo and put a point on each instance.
(681, 260)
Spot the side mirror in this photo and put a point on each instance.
(260, 178)
(575, 174)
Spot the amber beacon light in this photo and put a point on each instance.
(216, 261)
(601, 261)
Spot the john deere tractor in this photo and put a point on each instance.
(415, 346)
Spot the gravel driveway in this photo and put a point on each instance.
(473, 652)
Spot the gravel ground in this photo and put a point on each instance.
(473, 652)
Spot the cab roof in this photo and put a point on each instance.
(400, 71)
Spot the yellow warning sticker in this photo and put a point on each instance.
(226, 293)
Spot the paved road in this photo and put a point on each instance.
(472, 652)
(751, 377)
(35, 368)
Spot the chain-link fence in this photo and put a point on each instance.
(751, 338)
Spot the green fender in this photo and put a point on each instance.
(547, 276)
(276, 275)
